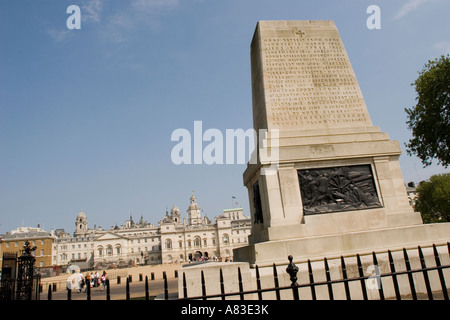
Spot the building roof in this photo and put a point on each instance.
(27, 235)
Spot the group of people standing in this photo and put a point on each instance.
(92, 280)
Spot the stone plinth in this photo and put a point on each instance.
(333, 183)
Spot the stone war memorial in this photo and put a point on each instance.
(335, 186)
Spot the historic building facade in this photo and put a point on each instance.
(174, 239)
(199, 238)
(14, 242)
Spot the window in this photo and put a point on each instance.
(225, 239)
(42, 252)
(197, 242)
(100, 251)
(109, 251)
(180, 244)
(118, 249)
(168, 244)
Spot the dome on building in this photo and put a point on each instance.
(81, 215)
(175, 210)
(193, 205)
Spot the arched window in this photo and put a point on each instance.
(180, 244)
(100, 251)
(225, 239)
(197, 242)
(109, 250)
(118, 249)
(168, 244)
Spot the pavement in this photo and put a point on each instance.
(118, 291)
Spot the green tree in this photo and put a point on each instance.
(433, 198)
(429, 120)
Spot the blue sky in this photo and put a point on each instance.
(86, 116)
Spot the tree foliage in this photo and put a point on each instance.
(429, 120)
(433, 200)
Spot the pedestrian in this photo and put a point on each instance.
(87, 282)
(80, 281)
(92, 282)
(97, 279)
(104, 277)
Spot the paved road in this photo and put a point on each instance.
(118, 291)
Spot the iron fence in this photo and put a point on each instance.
(292, 270)
(312, 285)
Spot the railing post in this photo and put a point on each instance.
(327, 273)
(311, 281)
(425, 274)
(108, 292)
(394, 276)
(222, 287)
(344, 277)
(147, 296)
(184, 286)
(292, 270)
(361, 275)
(258, 284)
(88, 289)
(410, 276)
(127, 293)
(275, 280)
(241, 288)
(377, 271)
(49, 295)
(203, 285)
(441, 274)
(166, 290)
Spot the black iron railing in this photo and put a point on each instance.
(312, 285)
(292, 270)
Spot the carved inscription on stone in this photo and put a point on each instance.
(336, 189)
(309, 82)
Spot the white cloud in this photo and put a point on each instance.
(409, 6)
(91, 11)
(443, 47)
(59, 35)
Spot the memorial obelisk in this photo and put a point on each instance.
(335, 185)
